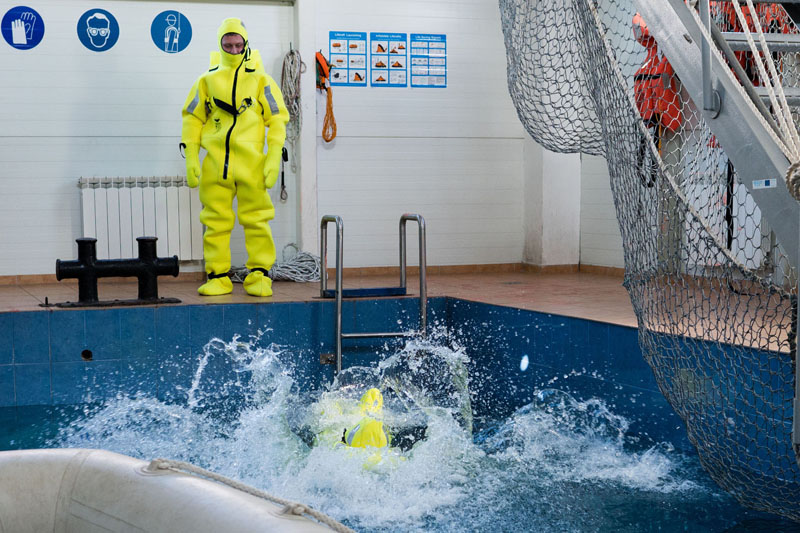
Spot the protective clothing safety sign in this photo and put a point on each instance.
(171, 32)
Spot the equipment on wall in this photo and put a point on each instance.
(323, 83)
(293, 67)
(284, 160)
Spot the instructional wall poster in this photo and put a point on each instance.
(388, 63)
(348, 58)
(428, 60)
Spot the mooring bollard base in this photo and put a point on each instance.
(113, 303)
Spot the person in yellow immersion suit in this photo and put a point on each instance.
(226, 113)
(368, 431)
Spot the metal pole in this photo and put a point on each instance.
(323, 255)
(339, 266)
(423, 293)
(423, 282)
(796, 402)
(323, 251)
(403, 252)
(705, 51)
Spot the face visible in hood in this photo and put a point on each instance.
(232, 39)
(232, 43)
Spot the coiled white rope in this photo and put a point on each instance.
(293, 67)
(301, 267)
(289, 507)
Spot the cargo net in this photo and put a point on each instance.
(712, 290)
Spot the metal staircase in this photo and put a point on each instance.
(741, 128)
(737, 114)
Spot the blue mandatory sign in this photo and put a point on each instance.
(98, 30)
(22, 27)
(171, 32)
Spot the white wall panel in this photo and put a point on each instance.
(471, 203)
(453, 155)
(72, 112)
(601, 242)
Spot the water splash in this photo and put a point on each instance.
(562, 439)
(552, 455)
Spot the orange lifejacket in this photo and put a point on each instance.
(654, 84)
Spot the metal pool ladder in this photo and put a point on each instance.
(340, 293)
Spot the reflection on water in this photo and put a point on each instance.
(556, 464)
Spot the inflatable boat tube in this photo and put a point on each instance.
(88, 491)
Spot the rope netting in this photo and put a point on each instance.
(711, 287)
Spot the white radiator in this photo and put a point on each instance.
(117, 210)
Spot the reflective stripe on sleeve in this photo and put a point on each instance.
(193, 103)
(351, 435)
(273, 105)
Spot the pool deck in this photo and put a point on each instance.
(579, 294)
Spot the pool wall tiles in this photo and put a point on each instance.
(583, 357)
(146, 349)
(125, 343)
(6, 359)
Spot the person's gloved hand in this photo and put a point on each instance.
(272, 167)
(192, 165)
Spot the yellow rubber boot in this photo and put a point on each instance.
(258, 284)
(216, 286)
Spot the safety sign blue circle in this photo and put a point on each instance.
(22, 27)
(98, 30)
(171, 32)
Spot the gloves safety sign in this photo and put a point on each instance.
(22, 27)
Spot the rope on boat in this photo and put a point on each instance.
(289, 507)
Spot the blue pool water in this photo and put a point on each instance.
(506, 420)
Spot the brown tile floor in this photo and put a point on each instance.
(582, 295)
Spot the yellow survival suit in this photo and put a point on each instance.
(226, 113)
(368, 431)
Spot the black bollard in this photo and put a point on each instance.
(88, 269)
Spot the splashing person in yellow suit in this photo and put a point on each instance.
(226, 113)
(369, 431)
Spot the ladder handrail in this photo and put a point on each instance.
(323, 254)
(423, 297)
(423, 293)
